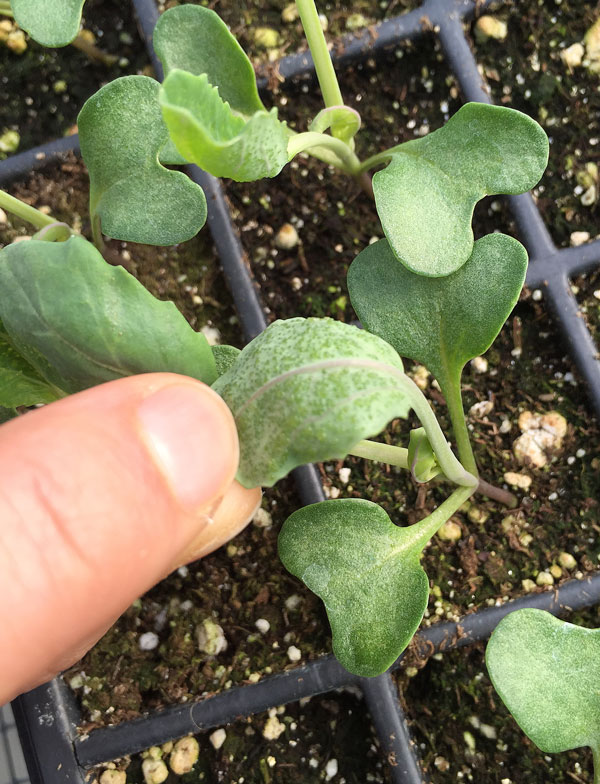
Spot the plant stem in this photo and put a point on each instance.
(310, 139)
(497, 494)
(596, 755)
(6, 10)
(25, 211)
(398, 456)
(452, 393)
(383, 453)
(97, 232)
(447, 461)
(55, 232)
(375, 160)
(93, 51)
(309, 16)
(426, 528)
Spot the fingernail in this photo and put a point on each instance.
(192, 440)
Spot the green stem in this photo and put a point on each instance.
(596, 754)
(383, 453)
(398, 456)
(6, 10)
(428, 527)
(56, 232)
(97, 231)
(310, 139)
(25, 211)
(375, 160)
(448, 462)
(309, 16)
(452, 393)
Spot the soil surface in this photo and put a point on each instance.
(464, 733)
(399, 98)
(318, 737)
(42, 90)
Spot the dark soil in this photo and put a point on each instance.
(526, 72)
(318, 732)
(464, 732)
(587, 291)
(399, 99)
(43, 90)
(247, 19)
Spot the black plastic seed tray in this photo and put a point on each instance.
(47, 717)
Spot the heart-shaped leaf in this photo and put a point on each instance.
(206, 132)
(307, 390)
(194, 39)
(425, 197)
(50, 22)
(20, 383)
(547, 673)
(367, 572)
(440, 322)
(80, 321)
(122, 133)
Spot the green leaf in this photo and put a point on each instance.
(6, 414)
(122, 133)
(547, 673)
(308, 390)
(367, 572)
(20, 383)
(421, 457)
(440, 322)
(49, 22)
(425, 197)
(194, 39)
(347, 122)
(206, 132)
(80, 321)
(224, 357)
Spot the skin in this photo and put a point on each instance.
(103, 494)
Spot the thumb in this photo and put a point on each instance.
(101, 495)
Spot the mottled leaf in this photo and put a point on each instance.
(20, 383)
(80, 321)
(547, 673)
(194, 39)
(206, 132)
(308, 390)
(224, 357)
(426, 195)
(122, 133)
(440, 322)
(49, 22)
(367, 572)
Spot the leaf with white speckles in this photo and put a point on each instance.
(123, 136)
(308, 390)
(425, 197)
(367, 572)
(49, 22)
(547, 673)
(440, 322)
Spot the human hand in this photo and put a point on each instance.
(102, 494)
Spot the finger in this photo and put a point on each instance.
(102, 494)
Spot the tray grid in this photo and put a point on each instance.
(550, 270)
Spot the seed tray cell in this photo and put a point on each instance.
(47, 717)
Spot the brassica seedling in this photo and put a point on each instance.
(306, 389)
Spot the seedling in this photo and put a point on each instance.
(547, 672)
(306, 389)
